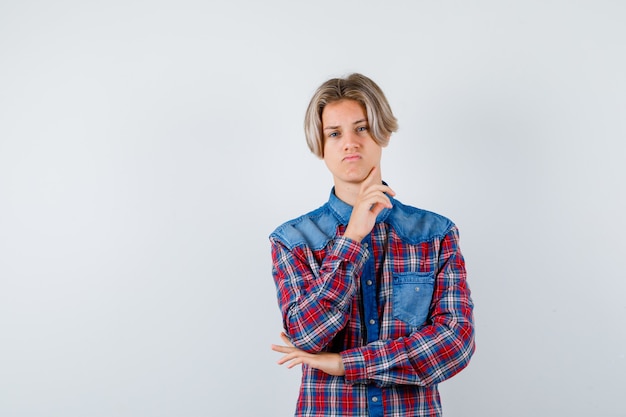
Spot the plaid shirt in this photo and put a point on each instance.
(396, 306)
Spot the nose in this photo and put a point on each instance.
(351, 140)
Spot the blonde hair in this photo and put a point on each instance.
(356, 87)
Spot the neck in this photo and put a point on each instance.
(348, 192)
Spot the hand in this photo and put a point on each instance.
(324, 361)
(369, 203)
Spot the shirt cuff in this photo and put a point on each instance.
(349, 250)
(354, 365)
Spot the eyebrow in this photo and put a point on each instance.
(337, 127)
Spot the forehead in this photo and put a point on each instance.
(343, 111)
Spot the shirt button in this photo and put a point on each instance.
(417, 289)
(372, 321)
(369, 282)
(375, 399)
(365, 245)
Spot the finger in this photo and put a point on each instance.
(369, 179)
(290, 357)
(297, 361)
(377, 208)
(374, 193)
(285, 339)
(282, 349)
(377, 198)
(382, 188)
(285, 359)
(277, 348)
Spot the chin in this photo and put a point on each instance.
(356, 179)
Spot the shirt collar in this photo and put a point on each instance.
(343, 210)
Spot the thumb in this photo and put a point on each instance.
(285, 339)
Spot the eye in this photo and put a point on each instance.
(333, 134)
(362, 129)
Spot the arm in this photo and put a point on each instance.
(435, 352)
(324, 361)
(315, 304)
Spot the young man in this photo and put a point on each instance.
(373, 293)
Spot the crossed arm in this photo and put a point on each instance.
(427, 356)
(430, 355)
(371, 200)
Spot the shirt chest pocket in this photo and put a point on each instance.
(412, 295)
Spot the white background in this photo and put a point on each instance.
(148, 148)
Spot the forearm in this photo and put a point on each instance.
(436, 351)
(316, 302)
(430, 356)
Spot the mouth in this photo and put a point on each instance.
(352, 157)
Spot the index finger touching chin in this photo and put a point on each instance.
(371, 177)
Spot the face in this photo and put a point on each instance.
(350, 152)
